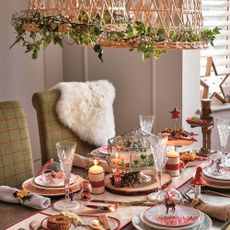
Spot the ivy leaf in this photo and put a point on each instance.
(98, 49)
(16, 41)
(57, 40)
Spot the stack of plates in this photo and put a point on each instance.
(220, 180)
(184, 217)
(38, 186)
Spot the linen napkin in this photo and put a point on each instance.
(219, 212)
(35, 201)
(83, 162)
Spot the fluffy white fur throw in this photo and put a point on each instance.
(87, 109)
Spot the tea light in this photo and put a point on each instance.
(96, 176)
(116, 161)
(173, 163)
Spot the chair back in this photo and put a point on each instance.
(51, 130)
(16, 163)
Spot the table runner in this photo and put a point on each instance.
(124, 214)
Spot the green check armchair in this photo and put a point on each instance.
(51, 130)
(16, 163)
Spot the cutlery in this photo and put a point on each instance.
(120, 202)
(109, 208)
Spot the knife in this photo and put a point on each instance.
(128, 203)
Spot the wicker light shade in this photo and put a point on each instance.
(176, 18)
(150, 26)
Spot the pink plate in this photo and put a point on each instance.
(182, 216)
(31, 187)
(103, 149)
(40, 180)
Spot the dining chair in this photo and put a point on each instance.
(51, 130)
(16, 163)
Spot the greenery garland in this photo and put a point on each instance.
(55, 29)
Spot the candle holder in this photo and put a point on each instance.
(96, 176)
(172, 165)
(131, 152)
(206, 123)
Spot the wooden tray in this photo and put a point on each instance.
(142, 190)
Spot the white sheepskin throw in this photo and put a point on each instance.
(87, 109)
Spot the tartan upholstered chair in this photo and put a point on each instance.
(51, 130)
(15, 150)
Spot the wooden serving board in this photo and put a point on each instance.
(141, 190)
(180, 142)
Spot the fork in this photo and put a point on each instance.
(109, 208)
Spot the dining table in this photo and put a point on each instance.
(10, 214)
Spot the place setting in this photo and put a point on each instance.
(217, 173)
(170, 212)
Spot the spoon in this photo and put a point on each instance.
(109, 208)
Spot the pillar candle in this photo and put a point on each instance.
(173, 163)
(96, 176)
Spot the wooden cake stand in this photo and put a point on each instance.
(181, 142)
(142, 189)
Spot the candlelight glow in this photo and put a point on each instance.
(95, 162)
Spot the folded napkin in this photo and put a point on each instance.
(83, 162)
(7, 194)
(220, 212)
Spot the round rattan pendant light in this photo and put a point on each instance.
(151, 26)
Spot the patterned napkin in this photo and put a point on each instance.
(219, 212)
(13, 195)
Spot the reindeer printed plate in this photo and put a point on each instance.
(183, 216)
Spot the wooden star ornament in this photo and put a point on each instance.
(175, 113)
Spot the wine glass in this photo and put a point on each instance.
(65, 151)
(158, 145)
(223, 126)
(146, 122)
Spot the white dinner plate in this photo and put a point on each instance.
(139, 225)
(57, 183)
(183, 216)
(175, 228)
(224, 175)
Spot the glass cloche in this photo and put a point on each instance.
(50, 174)
(130, 150)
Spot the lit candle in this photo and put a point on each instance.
(172, 154)
(173, 163)
(96, 176)
(116, 161)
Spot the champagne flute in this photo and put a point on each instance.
(158, 145)
(146, 122)
(65, 151)
(223, 126)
